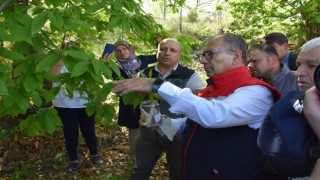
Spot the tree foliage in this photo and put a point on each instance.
(31, 34)
(298, 19)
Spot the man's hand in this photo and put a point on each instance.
(311, 105)
(140, 85)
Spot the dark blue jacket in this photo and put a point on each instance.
(236, 158)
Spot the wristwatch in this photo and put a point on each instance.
(156, 85)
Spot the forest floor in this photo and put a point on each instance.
(44, 157)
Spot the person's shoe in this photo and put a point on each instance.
(74, 167)
(96, 160)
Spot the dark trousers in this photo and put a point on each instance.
(71, 119)
(149, 148)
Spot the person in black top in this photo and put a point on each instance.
(129, 65)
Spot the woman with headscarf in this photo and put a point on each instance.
(127, 59)
(129, 65)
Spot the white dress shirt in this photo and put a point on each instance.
(62, 99)
(246, 106)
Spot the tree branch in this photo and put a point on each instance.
(4, 5)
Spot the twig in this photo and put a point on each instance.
(4, 5)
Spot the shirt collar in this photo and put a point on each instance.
(164, 76)
(286, 58)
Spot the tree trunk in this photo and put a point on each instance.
(4, 5)
(312, 29)
(180, 21)
(164, 9)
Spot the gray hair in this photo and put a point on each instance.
(232, 42)
(311, 44)
(235, 42)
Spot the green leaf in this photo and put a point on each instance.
(10, 54)
(135, 24)
(4, 36)
(69, 62)
(132, 98)
(31, 83)
(114, 68)
(3, 89)
(24, 124)
(54, 91)
(106, 88)
(4, 68)
(49, 121)
(22, 101)
(91, 82)
(8, 100)
(95, 7)
(20, 32)
(80, 68)
(17, 97)
(106, 71)
(47, 62)
(96, 66)
(90, 109)
(125, 25)
(40, 125)
(118, 5)
(21, 47)
(78, 54)
(56, 19)
(21, 68)
(34, 128)
(109, 112)
(79, 23)
(57, 3)
(129, 5)
(23, 18)
(54, 114)
(96, 76)
(38, 22)
(114, 21)
(50, 95)
(36, 98)
(38, 42)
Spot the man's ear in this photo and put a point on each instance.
(237, 56)
(286, 45)
(274, 60)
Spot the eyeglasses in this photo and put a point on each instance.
(211, 53)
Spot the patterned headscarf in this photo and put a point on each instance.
(131, 64)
